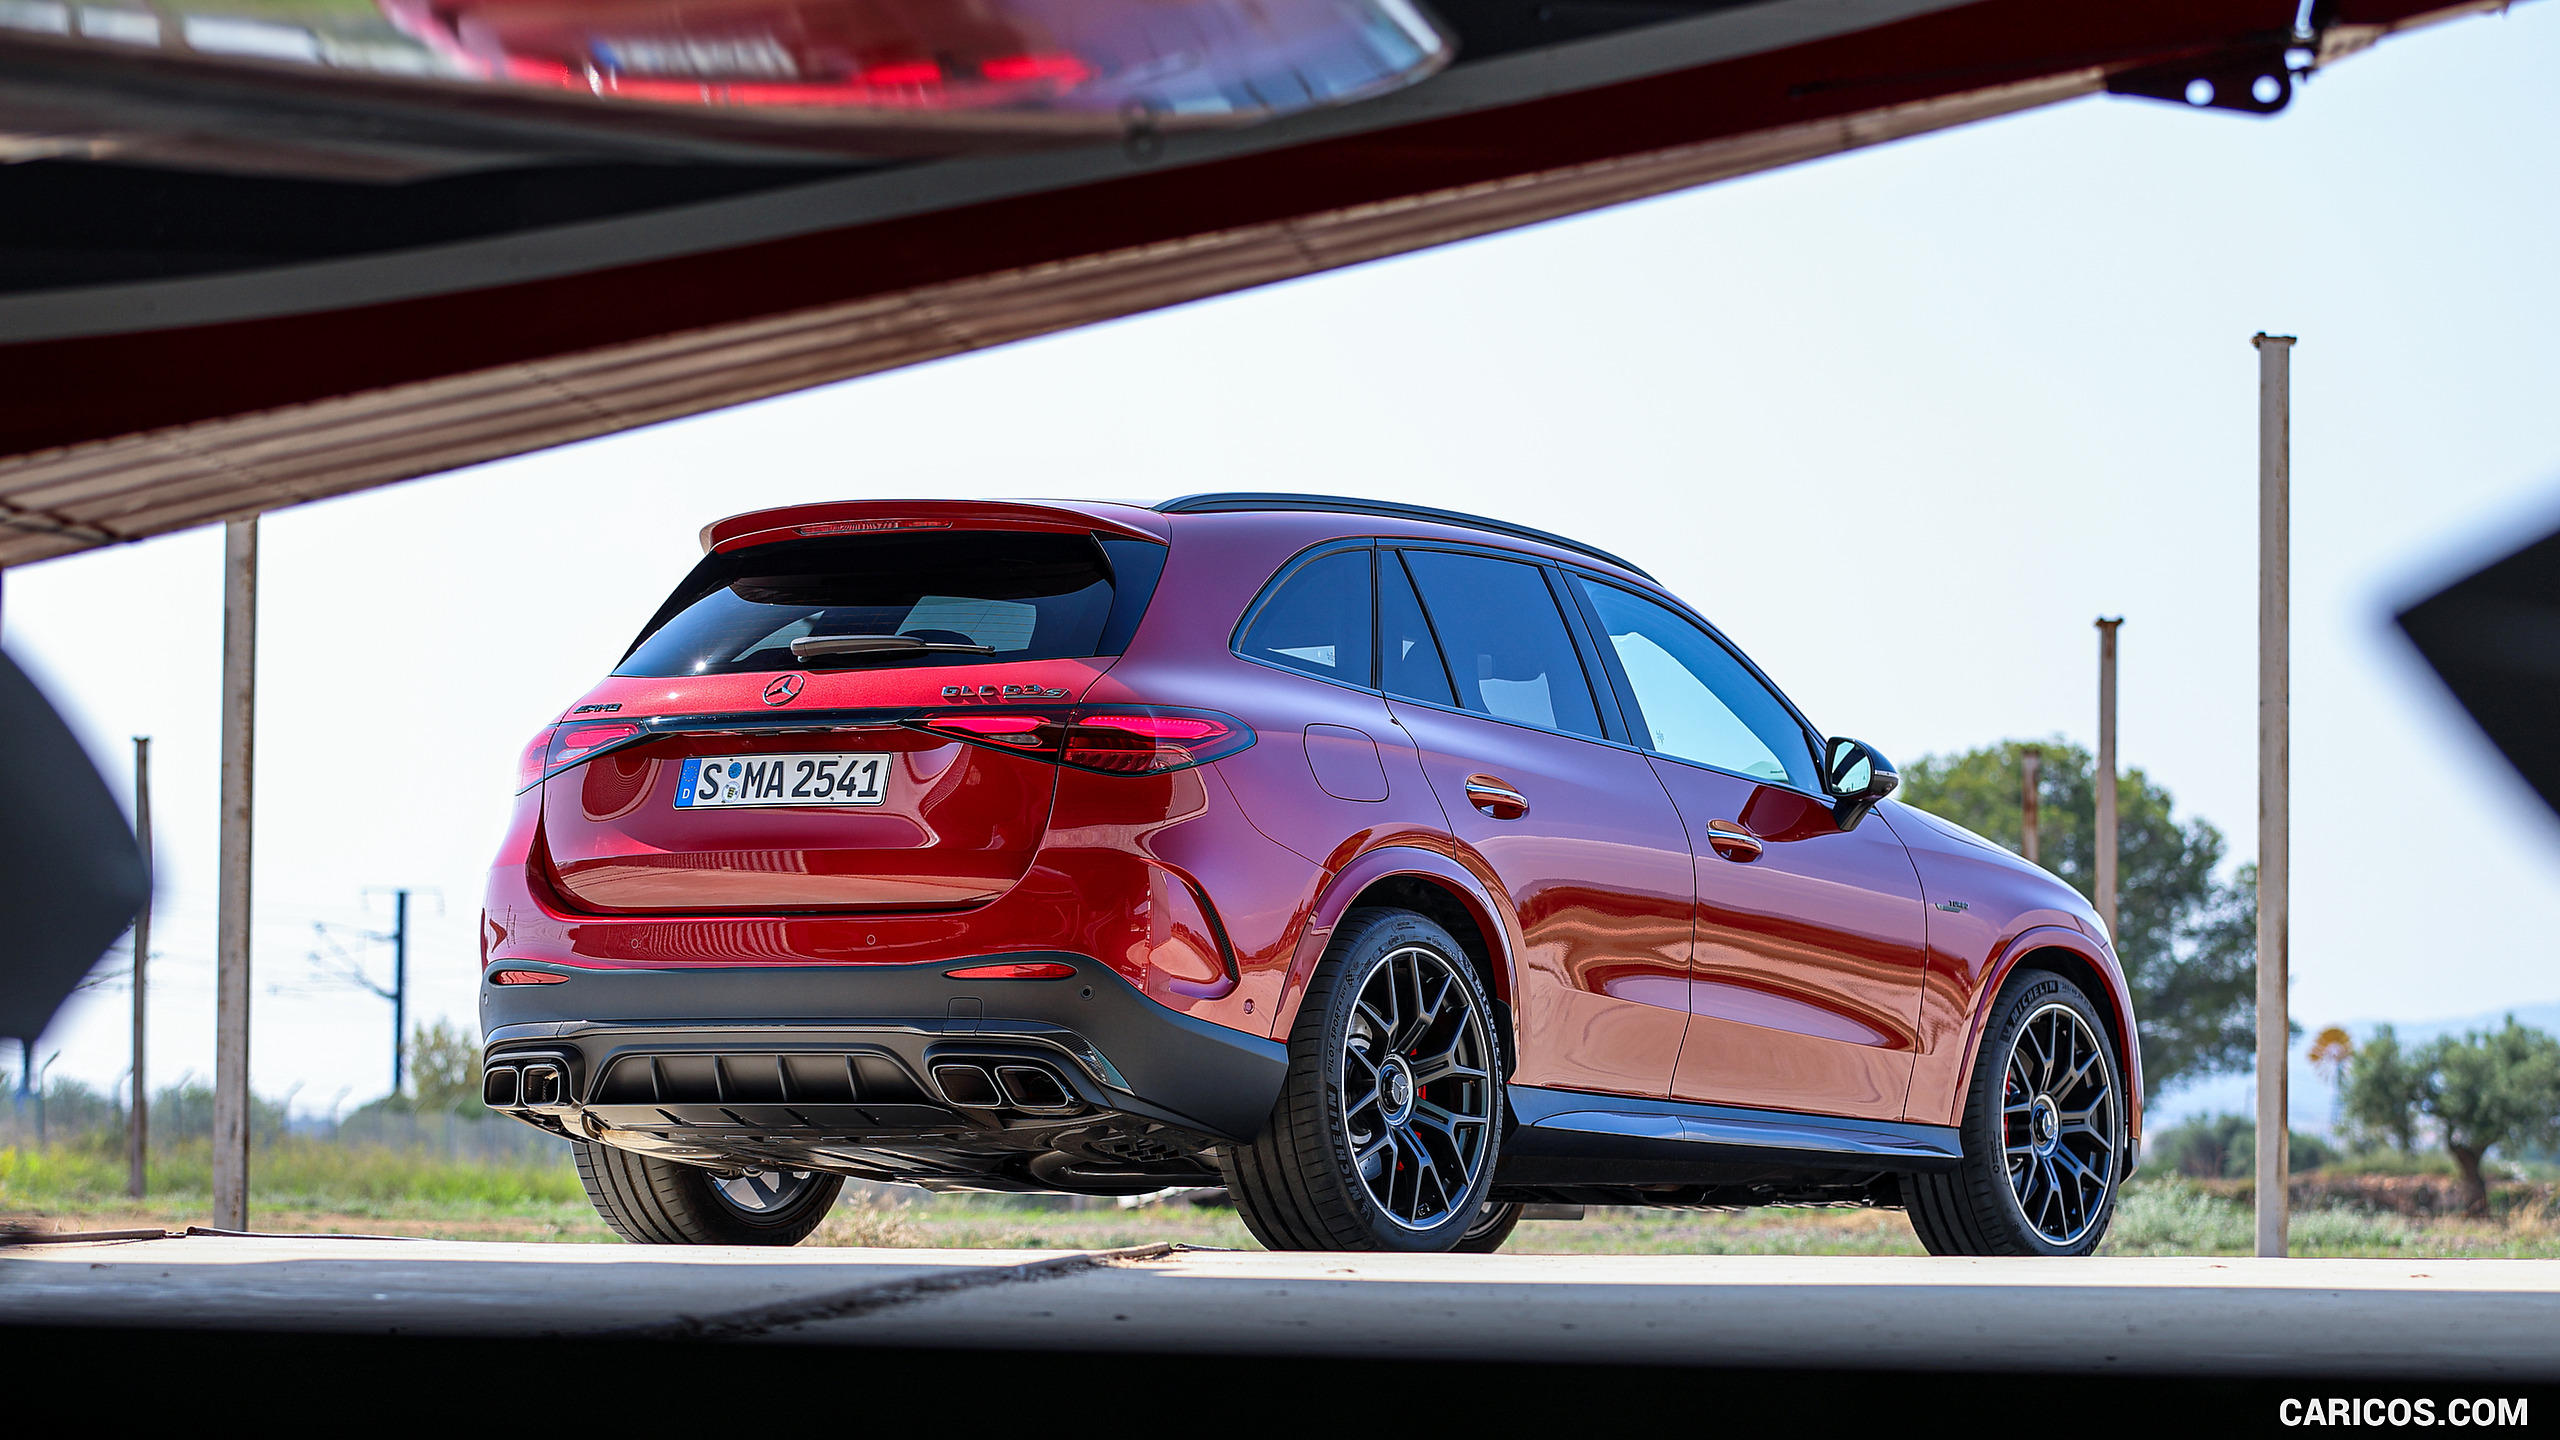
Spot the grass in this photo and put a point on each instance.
(302, 1185)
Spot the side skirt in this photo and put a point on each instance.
(1710, 1154)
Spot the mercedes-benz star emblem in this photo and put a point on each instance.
(783, 689)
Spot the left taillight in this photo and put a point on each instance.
(1112, 740)
(567, 745)
(529, 765)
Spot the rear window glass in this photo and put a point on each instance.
(1318, 620)
(1022, 595)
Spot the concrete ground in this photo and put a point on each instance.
(2351, 1319)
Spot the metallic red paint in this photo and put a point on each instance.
(1815, 977)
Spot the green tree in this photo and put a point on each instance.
(444, 1068)
(2480, 1091)
(2188, 943)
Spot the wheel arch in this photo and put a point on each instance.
(1430, 884)
(2072, 956)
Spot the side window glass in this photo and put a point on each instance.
(1508, 651)
(1408, 658)
(1699, 702)
(1318, 620)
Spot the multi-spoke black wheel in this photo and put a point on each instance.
(1385, 1133)
(2044, 1133)
(658, 1202)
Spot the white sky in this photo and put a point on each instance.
(1902, 422)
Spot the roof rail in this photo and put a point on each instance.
(1345, 505)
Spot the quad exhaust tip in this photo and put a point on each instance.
(538, 1086)
(1031, 1089)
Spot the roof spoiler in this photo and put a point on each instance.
(857, 517)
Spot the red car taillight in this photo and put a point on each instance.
(1149, 741)
(1113, 740)
(531, 764)
(576, 742)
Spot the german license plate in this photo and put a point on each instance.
(721, 783)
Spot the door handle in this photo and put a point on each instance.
(1733, 842)
(1495, 798)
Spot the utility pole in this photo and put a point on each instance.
(2275, 764)
(231, 918)
(2106, 877)
(140, 1141)
(2030, 769)
(399, 986)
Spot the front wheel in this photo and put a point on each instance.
(2043, 1134)
(1385, 1134)
(650, 1201)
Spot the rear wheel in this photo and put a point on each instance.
(2043, 1134)
(1385, 1134)
(650, 1201)
(1493, 1227)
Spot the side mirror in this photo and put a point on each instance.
(1856, 777)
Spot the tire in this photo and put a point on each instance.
(1353, 1157)
(1493, 1226)
(649, 1201)
(2043, 1134)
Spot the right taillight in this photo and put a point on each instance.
(1112, 739)
(531, 764)
(1150, 739)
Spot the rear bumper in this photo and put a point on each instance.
(807, 1061)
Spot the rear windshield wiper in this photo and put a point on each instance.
(810, 647)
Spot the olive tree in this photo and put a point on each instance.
(2478, 1091)
(2188, 941)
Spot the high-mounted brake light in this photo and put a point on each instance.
(1115, 740)
(527, 977)
(1019, 970)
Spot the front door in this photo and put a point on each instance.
(1804, 990)
(1578, 832)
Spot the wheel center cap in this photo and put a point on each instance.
(2047, 1119)
(1399, 1087)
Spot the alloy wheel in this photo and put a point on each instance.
(761, 1192)
(1416, 1078)
(2060, 1132)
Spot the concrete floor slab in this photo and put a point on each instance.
(2359, 1319)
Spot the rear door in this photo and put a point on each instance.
(1804, 991)
(1483, 673)
(787, 783)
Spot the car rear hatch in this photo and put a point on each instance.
(794, 731)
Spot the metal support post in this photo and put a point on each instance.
(2275, 532)
(231, 921)
(2105, 886)
(139, 1142)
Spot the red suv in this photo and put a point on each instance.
(1393, 867)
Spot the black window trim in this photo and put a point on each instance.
(1635, 710)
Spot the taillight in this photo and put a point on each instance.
(529, 765)
(1012, 731)
(1149, 741)
(1114, 739)
(576, 742)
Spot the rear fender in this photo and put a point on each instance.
(1496, 924)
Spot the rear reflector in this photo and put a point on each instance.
(1114, 740)
(1033, 970)
(527, 977)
